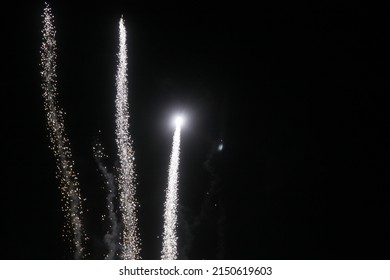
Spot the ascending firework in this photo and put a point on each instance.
(126, 180)
(59, 143)
(169, 250)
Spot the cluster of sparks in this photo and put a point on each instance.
(59, 143)
(169, 250)
(128, 244)
(126, 179)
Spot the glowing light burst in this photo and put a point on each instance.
(179, 120)
(126, 181)
(59, 143)
(169, 250)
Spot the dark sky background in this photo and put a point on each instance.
(297, 92)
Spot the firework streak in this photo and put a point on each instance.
(59, 143)
(126, 181)
(169, 250)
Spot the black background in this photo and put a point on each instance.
(297, 93)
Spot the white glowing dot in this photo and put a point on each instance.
(179, 120)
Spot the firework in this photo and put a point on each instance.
(126, 179)
(169, 250)
(59, 143)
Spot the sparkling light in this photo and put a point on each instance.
(169, 250)
(127, 185)
(59, 143)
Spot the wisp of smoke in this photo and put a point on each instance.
(212, 211)
(214, 192)
(111, 238)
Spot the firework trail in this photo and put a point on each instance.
(112, 236)
(126, 181)
(169, 250)
(59, 143)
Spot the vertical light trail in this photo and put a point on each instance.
(126, 181)
(59, 143)
(169, 250)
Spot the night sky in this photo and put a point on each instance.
(296, 92)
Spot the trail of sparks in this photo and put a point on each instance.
(126, 181)
(169, 250)
(111, 237)
(59, 143)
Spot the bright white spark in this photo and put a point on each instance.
(126, 180)
(59, 143)
(179, 120)
(169, 250)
